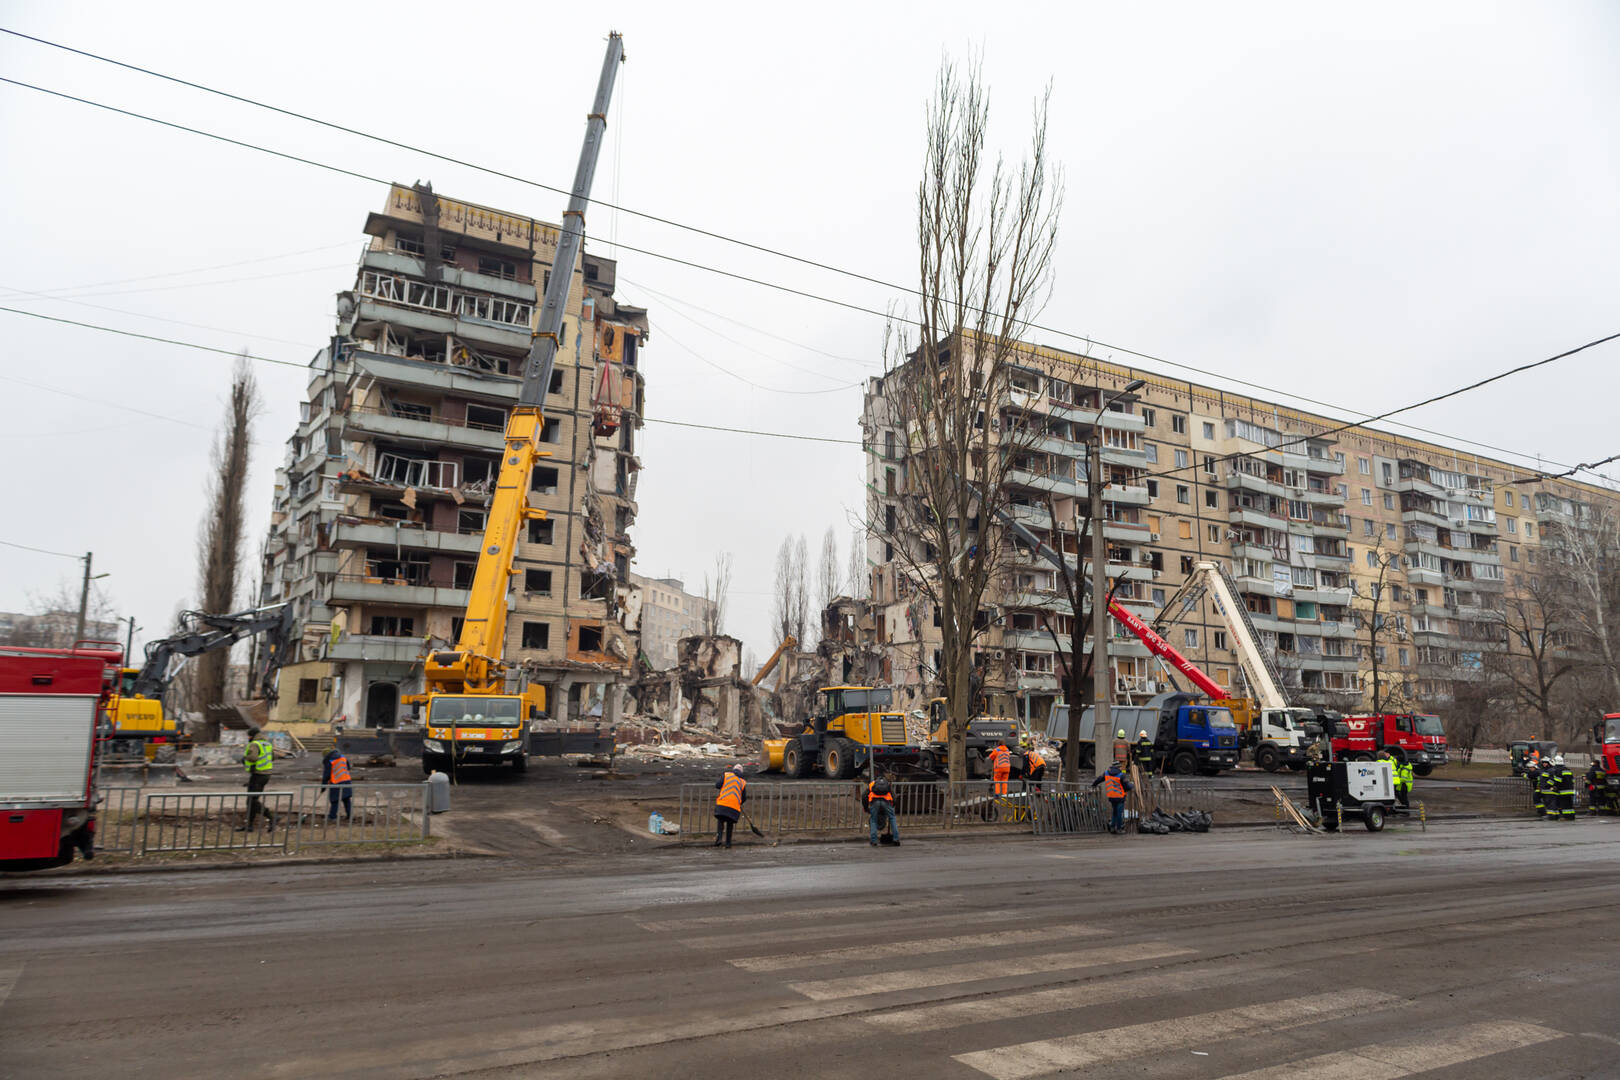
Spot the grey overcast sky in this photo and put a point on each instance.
(1364, 203)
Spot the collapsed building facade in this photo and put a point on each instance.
(380, 504)
(1314, 527)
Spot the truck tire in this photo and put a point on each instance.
(840, 760)
(520, 764)
(1266, 758)
(793, 760)
(1184, 763)
(1423, 770)
(927, 762)
(1397, 754)
(1361, 757)
(1374, 818)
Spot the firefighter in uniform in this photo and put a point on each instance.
(1547, 778)
(1565, 780)
(1122, 748)
(1597, 793)
(258, 758)
(1537, 788)
(1001, 767)
(879, 799)
(1144, 752)
(728, 804)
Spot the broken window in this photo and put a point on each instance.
(470, 522)
(432, 297)
(307, 689)
(888, 446)
(477, 470)
(544, 480)
(501, 268)
(391, 509)
(593, 586)
(556, 382)
(536, 635)
(411, 570)
(464, 572)
(409, 245)
(382, 286)
(393, 626)
(540, 531)
(590, 639)
(417, 472)
(485, 418)
(411, 410)
(537, 582)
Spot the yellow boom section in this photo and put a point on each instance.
(475, 666)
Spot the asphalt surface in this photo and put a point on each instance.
(1480, 949)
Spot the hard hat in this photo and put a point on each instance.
(1142, 734)
(1120, 734)
(253, 733)
(1559, 760)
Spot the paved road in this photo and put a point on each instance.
(1478, 950)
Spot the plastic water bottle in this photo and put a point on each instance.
(655, 824)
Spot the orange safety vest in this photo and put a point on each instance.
(1113, 786)
(1033, 761)
(340, 770)
(871, 794)
(1001, 760)
(731, 792)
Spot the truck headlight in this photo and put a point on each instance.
(433, 746)
(512, 747)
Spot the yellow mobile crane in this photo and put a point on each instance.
(472, 716)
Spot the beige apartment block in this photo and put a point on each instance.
(380, 505)
(668, 613)
(1299, 514)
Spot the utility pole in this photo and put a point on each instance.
(84, 598)
(1102, 727)
(129, 640)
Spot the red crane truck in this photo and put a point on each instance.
(52, 702)
(1415, 737)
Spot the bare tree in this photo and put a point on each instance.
(1585, 570)
(856, 584)
(801, 590)
(219, 545)
(52, 621)
(1535, 661)
(828, 573)
(986, 234)
(716, 591)
(1381, 627)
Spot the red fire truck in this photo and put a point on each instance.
(1415, 737)
(52, 702)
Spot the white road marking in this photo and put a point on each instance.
(1046, 1056)
(8, 981)
(1022, 1003)
(885, 981)
(1414, 1054)
(789, 918)
(1037, 918)
(910, 948)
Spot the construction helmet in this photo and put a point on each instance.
(1142, 734)
(1559, 760)
(1120, 734)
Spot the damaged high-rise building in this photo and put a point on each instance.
(380, 505)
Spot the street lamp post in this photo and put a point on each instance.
(1102, 675)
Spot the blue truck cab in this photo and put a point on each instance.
(1189, 734)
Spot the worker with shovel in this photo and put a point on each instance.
(728, 804)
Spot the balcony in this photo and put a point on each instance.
(1338, 597)
(1125, 495)
(1057, 483)
(1242, 515)
(1128, 532)
(429, 432)
(377, 648)
(380, 312)
(1242, 481)
(375, 533)
(1118, 455)
(394, 262)
(1330, 526)
(360, 589)
(1034, 517)
(1321, 498)
(1328, 465)
(1029, 640)
(1425, 517)
(442, 378)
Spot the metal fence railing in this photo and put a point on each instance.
(1513, 794)
(117, 818)
(1067, 809)
(135, 821)
(374, 814)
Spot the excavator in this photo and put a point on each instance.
(787, 643)
(141, 730)
(473, 718)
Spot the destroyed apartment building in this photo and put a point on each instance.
(380, 505)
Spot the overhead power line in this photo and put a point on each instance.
(41, 551)
(1392, 412)
(1088, 339)
(151, 337)
(183, 273)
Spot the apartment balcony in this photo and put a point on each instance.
(1027, 680)
(1029, 640)
(1125, 531)
(1337, 628)
(430, 432)
(1425, 517)
(1050, 444)
(1474, 525)
(1124, 495)
(1118, 455)
(1259, 552)
(362, 589)
(439, 378)
(1330, 527)
(1038, 601)
(1321, 498)
(377, 648)
(394, 262)
(1338, 597)
(1329, 466)
(501, 335)
(1056, 483)
(376, 533)
(1242, 481)
(1262, 586)
(1034, 517)
(1243, 515)
(1422, 575)
(1476, 555)
(1336, 663)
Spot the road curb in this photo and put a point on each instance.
(82, 869)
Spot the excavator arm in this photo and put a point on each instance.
(203, 633)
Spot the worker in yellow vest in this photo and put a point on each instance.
(258, 758)
(339, 785)
(729, 803)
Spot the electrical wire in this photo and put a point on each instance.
(99, 401)
(41, 551)
(182, 273)
(154, 318)
(679, 302)
(747, 431)
(1537, 477)
(1078, 362)
(664, 334)
(150, 337)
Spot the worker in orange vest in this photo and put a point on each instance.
(1001, 767)
(1034, 764)
(1115, 787)
(879, 799)
(728, 804)
(339, 785)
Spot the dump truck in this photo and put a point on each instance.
(850, 726)
(53, 704)
(1189, 734)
